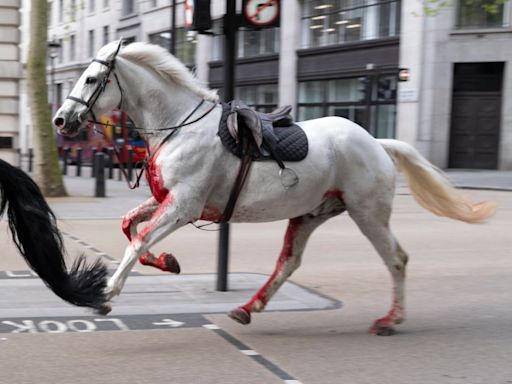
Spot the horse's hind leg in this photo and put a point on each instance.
(166, 261)
(372, 217)
(298, 231)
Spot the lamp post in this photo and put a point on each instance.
(54, 47)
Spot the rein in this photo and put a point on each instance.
(149, 156)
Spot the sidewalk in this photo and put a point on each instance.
(81, 203)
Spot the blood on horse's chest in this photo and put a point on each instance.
(156, 182)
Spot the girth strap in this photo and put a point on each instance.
(245, 166)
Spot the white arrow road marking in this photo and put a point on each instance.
(170, 322)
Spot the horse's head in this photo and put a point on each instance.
(95, 93)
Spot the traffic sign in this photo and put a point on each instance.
(261, 13)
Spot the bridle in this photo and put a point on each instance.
(100, 88)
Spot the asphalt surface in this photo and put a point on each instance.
(459, 305)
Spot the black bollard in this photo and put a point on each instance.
(79, 161)
(20, 158)
(110, 152)
(30, 159)
(65, 159)
(130, 163)
(99, 166)
(93, 169)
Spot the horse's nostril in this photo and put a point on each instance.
(59, 122)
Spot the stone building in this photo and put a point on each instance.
(336, 57)
(10, 74)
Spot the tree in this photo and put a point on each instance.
(432, 7)
(47, 171)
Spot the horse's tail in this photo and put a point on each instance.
(35, 233)
(431, 188)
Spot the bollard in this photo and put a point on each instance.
(65, 158)
(79, 161)
(130, 163)
(20, 158)
(30, 158)
(99, 166)
(93, 169)
(110, 152)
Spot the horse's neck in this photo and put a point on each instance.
(153, 102)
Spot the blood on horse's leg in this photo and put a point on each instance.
(165, 262)
(396, 315)
(295, 239)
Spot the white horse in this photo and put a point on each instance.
(191, 173)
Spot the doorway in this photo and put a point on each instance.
(476, 115)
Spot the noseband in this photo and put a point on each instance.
(100, 88)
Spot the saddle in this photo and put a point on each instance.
(252, 135)
(267, 136)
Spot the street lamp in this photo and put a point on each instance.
(54, 48)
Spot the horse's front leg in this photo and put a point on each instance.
(174, 212)
(166, 261)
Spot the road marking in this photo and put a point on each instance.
(89, 247)
(211, 326)
(251, 353)
(82, 324)
(170, 322)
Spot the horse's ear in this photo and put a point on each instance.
(119, 45)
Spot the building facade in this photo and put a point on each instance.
(456, 107)
(10, 75)
(335, 57)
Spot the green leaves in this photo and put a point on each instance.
(433, 7)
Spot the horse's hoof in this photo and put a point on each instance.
(165, 262)
(240, 315)
(381, 330)
(104, 309)
(170, 262)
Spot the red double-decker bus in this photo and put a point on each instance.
(120, 134)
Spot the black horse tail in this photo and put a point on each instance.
(34, 231)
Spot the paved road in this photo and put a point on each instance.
(459, 308)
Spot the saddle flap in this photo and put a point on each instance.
(280, 117)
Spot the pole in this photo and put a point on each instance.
(52, 81)
(172, 48)
(99, 161)
(230, 30)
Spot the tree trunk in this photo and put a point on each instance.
(47, 171)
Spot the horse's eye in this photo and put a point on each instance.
(91, 80)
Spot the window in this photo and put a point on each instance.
(254, 42)
(185, 44)
(91, 46)
(72, 48)
(58, 95)
(263, 97)
(50, 7)
(106, 37)
(72, 11)
(92, 6)
(6, 142)
(368, 101)
(60, 55)
(331, 22)
(61, 11)
(250, 42)
(482, 14)
(128, 7)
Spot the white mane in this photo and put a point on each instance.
(167, 66)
